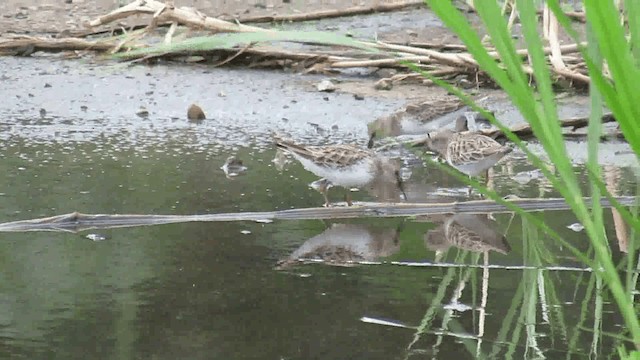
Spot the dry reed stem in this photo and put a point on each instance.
(162, 12)
(324, 14)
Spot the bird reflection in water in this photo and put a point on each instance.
(473, 232)
(346, 245)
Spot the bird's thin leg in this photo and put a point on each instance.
(470, 188)
(347, 197)
(325, 193)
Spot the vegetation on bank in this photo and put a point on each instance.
(612, 54)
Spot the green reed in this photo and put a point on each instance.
(608, 44)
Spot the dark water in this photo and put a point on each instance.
(231, 290)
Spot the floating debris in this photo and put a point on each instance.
(245, 232)
(383, 322)
(96, 237)
(456, 306)
(280, 160)
(577, 227)
(233, 167)
(264, 221)
(525, 177)
(195, 113)
(43, 112)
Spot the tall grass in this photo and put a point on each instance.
(607, 44)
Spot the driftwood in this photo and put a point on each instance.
(161, 12)
(324, 14)
(75, 222)
(440, 60)
(27, 45)
(524, 131)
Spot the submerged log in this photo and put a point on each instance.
(75, 222)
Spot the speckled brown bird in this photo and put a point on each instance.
(344, 165)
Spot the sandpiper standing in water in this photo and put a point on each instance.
(344, 165)
(469, 152)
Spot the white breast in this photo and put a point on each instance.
(358, 174)
(477, 167)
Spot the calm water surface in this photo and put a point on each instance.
(238, 291)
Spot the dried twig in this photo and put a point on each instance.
(162, 13)
(26, 45)
(323, 14)
(230, 58)
(524, 130)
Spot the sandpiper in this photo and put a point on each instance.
(344, 165)
(415, 118)
(469, 152)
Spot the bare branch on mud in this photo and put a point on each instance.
(524, 131)
(183, 15)
(326, 56)
(26, 45)
(324, 14)
(230, 58)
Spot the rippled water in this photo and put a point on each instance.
(370, 288)
(238, 290)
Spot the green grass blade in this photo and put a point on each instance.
(232, 40)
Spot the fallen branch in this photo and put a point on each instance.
(360, 54)
(75, 222)
(26, 45)
(324, 14)
(523, 131)
(163, 13)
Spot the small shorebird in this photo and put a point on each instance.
(414, 118)
(344, 165)
(469, 152)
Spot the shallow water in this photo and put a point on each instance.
(240, 289)
(209, 290)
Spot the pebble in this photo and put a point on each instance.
(326, 86)
(195, 113)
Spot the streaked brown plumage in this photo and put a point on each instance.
(344, 165)
(473, 232)
(469, 152)
(415, 118)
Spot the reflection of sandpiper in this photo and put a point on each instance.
(345, 245)
(473, 232)
(344, 165)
